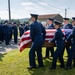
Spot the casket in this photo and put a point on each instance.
(25, 40)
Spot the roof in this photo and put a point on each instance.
(47, 16)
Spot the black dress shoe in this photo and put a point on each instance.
(67, 68)
(52, 68)
(31, 67)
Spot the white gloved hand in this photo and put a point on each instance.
(66, 41)
(49, 41)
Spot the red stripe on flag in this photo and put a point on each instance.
(23, 47)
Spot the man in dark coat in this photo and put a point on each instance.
(21, 29)
(37, 34)
(66, 25)
(26, 27)
(71, 55)
(1, 33)
(6, 32)
(15, 32)
(10, 31)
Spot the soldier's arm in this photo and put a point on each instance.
(44, 32)
(71, 36)
(55, 37)
(32, 32)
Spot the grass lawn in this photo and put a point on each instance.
(16, 63)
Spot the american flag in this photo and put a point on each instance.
(25, 39)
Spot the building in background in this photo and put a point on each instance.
(44, 18)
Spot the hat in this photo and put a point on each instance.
(50, 19)
(14, 22)
(26, 22)
(57, 22)
(6, 21)
(73, 18)
(34, 15)
(66, 18)
(10, 23)
(21, 24)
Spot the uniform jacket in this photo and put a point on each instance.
(37, 33)
(50, 26)
(72, 36)
(68, 26)
(58, 37)
(26, 28)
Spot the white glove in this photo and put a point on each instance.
(49, 41)
(66, 41)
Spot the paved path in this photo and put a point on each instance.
(6, 48)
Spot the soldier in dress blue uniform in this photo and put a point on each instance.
(1, 33)
(10, 31)
(59, 41)
(15, 32)
(71, 55)
(6, 32)
(21, 29)
(48, 49)
(37, 34)
(67, 25)
(26, 27)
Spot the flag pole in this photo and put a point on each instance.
(9, 11)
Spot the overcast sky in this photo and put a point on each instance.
(23, 8)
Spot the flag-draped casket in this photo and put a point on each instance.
(25, 40)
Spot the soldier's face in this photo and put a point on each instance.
(32, 19)
(49, 22)
(73, 23)
(56, 26)
(66, 21)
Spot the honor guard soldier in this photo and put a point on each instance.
(10, 31)
(49, 26)
(21, 29)
(71, 55)
(1, 33)
(67, 25)
(59, 41)
(6, 32)
(15, 32)
(37, 34)
(26, 27)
